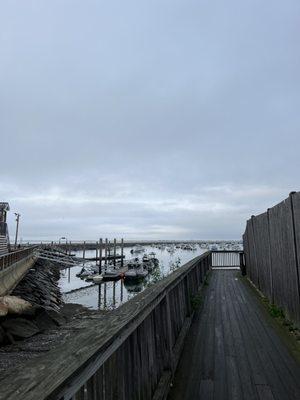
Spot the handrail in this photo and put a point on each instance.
(131, 353)
(144, 335)
(8, 259)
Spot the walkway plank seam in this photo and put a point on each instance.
(277, 363)
(266, 364)
(232, 351)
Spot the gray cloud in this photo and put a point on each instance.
(147, 119)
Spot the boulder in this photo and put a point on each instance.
(45, 322)
(56, 317)
(14, 304)
(20, 327)
(3, 310)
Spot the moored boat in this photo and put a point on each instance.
(98, 278)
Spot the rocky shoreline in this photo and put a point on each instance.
(33, 306)
(38, 321)
(40, 286)
(71, 317)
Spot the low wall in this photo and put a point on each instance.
(11, 276)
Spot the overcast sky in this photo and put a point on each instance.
(147, 118)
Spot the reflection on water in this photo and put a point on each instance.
(110, 295)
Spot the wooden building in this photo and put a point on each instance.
(4, 238)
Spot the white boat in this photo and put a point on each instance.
(134, 274)
(141, 273)
(97, 278)
(137, 249)
(171, 249)
(87, 271)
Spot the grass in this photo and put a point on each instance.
(275, 311)
(285, 328)
(206, 280)
(196, 301)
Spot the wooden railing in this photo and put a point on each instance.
(6, 260)
(130, 353)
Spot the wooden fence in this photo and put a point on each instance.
(272, 250)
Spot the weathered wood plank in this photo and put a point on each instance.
(263, 253)
(257, 362)
(285, 277)
(272, 253)
(68, 367)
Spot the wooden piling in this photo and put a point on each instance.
(105, 252)
(83, 255)
(122, 252)
(122, 286)
(100, 255)
(104, 296)
(99, 295)
(114, 293)
(96, 252)
(115, 251)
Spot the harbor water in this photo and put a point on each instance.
(110, 295)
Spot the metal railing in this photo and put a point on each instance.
(227, 259)
(6, 260)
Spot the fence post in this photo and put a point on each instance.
(254, 252)
(295, 243)
(271, 264)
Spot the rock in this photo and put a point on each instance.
(14, 304)
(32, 312)
(56, 317)
(3, 310)
(20, 327)
(40, 287)
(45, 322)
(2, 335)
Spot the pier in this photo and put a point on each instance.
(228, 345)
(205, 331)
(233, 350)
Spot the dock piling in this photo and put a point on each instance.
(115, 251)
(83, 254)
(122, 253)
(100, 255)
(105, 253)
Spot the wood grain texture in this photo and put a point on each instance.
(272, 253)
(232, 350)
(127, 355)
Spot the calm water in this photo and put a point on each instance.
(110, 295)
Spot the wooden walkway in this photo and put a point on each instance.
(232, 351)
